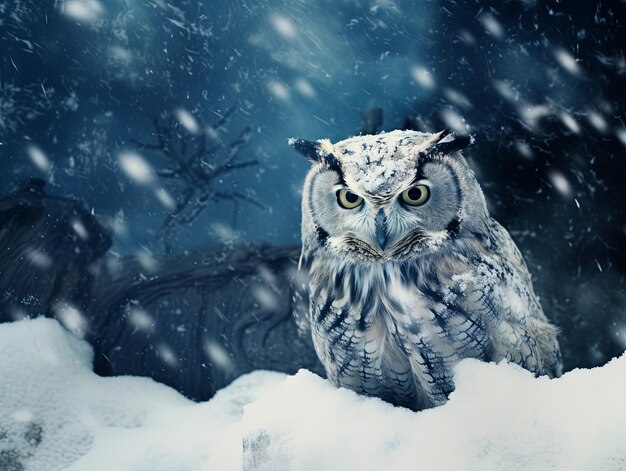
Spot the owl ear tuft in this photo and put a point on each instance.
(448, 143)
(321, 151)
(310, 149)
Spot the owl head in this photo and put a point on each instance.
(390, 196)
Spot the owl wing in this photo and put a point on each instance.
(498, 287)
(485, 309)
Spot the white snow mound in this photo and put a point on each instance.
(55, 413)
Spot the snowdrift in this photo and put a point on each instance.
(55, 413)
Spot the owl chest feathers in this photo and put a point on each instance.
(383, 330)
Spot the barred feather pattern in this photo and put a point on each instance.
(395, 330)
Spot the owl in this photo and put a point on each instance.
(407, 272)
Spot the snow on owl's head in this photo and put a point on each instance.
(389, 196)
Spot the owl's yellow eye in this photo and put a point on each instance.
(416, 195)
(348, 200)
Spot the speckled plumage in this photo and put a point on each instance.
(392, 318)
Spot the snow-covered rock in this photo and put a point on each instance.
(55, 413)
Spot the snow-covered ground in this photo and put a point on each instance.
(55, 413)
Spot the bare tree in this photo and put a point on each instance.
(196, 159)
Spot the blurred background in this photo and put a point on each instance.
(168, 122)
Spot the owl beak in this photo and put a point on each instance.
(381, 229)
